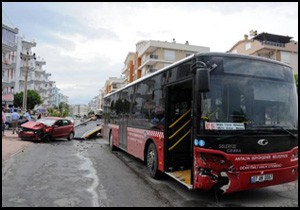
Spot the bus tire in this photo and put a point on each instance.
(152, 161)
(111, 142)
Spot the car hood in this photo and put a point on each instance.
(33, 125)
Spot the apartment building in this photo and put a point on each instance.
(272, 46)
(100, 98)
(9, 53)
(79, 109)
(152, 55)
(149, 57)
(93, 104)
(113, 84)
(128, 69)
(38, 78)
(56, 97)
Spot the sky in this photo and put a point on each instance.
(84, 44)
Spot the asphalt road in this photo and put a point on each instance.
(85, 173)
(73, 173)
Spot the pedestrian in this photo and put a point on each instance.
(27, 115)
(3, 121)
(39, 116)
(14, 120)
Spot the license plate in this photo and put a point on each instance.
(261, 178)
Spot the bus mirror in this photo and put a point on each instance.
(203, 80)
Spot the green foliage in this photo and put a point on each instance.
(33, 98)
(18, 99)
(91, 113)
(53, 112)
(296, 80)
(62, 110)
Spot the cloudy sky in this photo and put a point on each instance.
(85, 43)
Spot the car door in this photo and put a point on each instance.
(58, 130)
(66, 127)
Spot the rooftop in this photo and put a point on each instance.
(272, 38)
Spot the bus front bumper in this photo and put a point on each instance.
(229, 182)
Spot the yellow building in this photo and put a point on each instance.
(277, 47)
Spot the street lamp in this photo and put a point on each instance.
(26, 58)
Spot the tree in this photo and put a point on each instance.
(91, 113)
(64, 109)
(33, 98)
(18, 99)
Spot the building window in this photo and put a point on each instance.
(248, 46)
(285, 57)
(169, 55)
(8, 37)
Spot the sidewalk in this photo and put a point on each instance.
(12, 144)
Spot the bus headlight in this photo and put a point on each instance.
(215, 159)
(294, 156)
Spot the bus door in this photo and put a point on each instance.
(178, 131)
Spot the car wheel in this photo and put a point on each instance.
(152, 161)
(47, 138)
(71, 136)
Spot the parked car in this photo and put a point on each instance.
(8, 123)
(47, 128)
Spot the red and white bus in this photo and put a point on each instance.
(211, 121)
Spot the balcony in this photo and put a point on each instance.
(150, 60)
(271, 43)
(152, 70)
(40, 71)
(7, 83)
(6, 48)
(23, 68)
(8, 65)
(125, 69)
(40, 63)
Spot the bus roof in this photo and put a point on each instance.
(152, 74)
(254, 57)
(196, 55)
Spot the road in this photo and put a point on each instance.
(85, 173)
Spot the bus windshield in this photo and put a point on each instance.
(249, 93)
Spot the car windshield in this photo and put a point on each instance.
(46, 121)
(242, 96)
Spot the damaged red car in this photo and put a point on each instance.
(47, 128)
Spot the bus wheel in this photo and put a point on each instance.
(111, 142)
(152, 161)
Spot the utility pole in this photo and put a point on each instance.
(26, 58)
